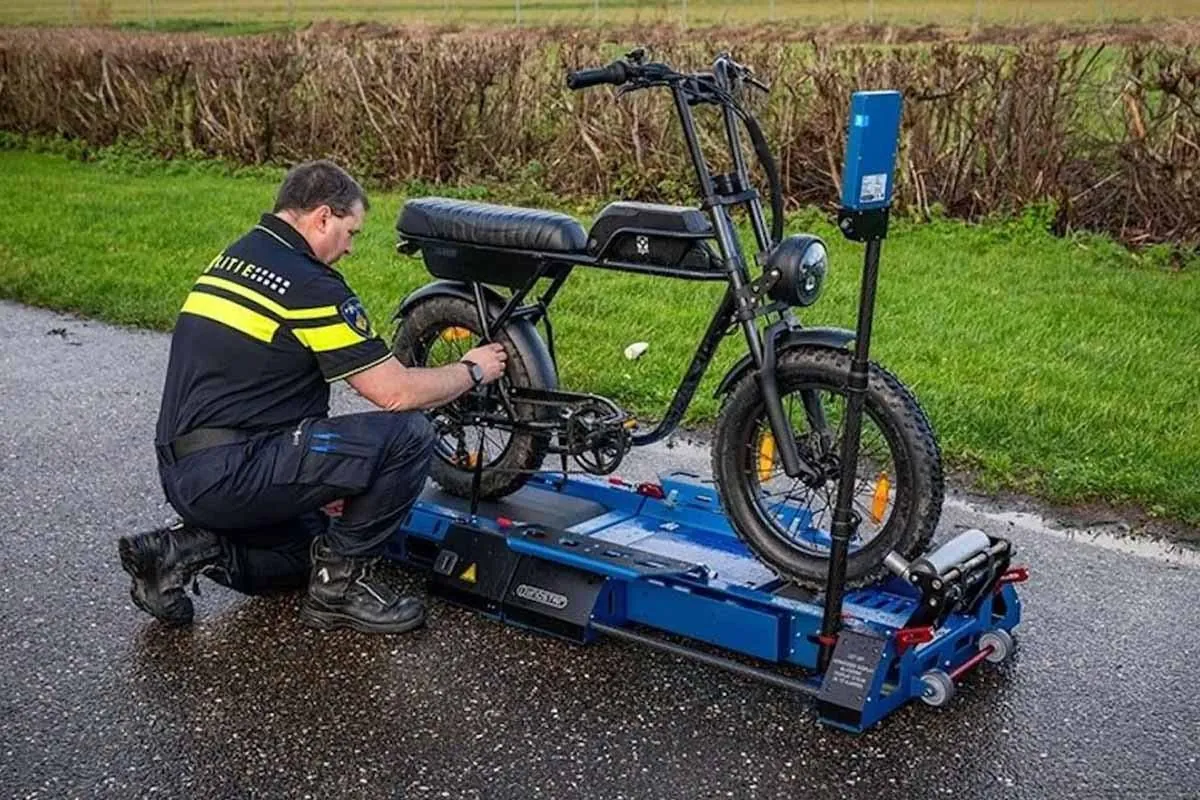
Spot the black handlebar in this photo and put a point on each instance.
(615, 73)
(727, 74)
(718, 87)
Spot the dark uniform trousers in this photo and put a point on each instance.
(263, 496)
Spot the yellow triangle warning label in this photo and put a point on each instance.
(469, 575)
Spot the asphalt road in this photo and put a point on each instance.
(97, 700)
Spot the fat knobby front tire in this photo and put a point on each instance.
(899, 474)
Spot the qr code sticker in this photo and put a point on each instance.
(873, 189)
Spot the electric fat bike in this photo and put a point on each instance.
(775, 453)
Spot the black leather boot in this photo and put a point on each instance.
(342, 593)
(161, 562)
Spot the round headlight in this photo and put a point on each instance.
(801, 262)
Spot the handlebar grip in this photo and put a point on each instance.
(615, 73)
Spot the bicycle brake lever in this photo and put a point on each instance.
(757, 84)
(637, 84)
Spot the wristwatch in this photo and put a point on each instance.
(475, 370)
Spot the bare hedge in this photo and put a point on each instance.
(1111, 136)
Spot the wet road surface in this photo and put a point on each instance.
(97, 700)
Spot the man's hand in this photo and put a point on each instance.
(395, 387)
(333, 509)
(491, 358)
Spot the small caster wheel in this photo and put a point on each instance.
(1001, 642)
(938, 688)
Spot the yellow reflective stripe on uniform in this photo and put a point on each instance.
(328, 337)
(266, 302)
(230, 313)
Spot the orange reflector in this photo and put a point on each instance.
(766, 456)
(455, 334)
(879, 502)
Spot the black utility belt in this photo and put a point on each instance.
(204, 438)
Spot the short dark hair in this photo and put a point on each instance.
(319, 183)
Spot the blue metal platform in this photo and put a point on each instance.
(583, 557)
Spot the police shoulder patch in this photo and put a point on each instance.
(355, 315)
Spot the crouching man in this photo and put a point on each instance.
(247, 452)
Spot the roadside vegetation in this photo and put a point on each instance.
(1106, 134)
(159, 14)
(1064, 367)
(1039, 288)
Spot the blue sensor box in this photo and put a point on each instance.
(871, 150)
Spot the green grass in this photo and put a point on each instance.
(535, 12)
(1069, 369)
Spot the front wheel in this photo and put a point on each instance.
(785, 521)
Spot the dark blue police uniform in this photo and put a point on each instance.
(245, 444)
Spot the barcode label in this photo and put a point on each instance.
(873, 188)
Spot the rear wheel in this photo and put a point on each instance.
(440, 330)
(785, 521)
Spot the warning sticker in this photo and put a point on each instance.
(469, 575)
(873, 188)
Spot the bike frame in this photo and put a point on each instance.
(738, 305)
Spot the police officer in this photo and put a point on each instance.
(247, 452)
